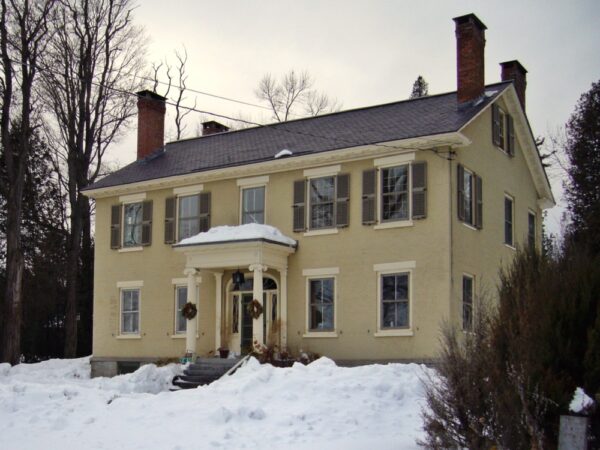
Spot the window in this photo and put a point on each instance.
(470, 197)
(253, 205)
(131, 223)
(130, 311)
(321, 304)
(186, 215)
(180, 301)
(508, 221)
(394, 193)
(503, 134)
(322, 197)
(394, 301)
(467, 303)
(531, 230)
(327, 204)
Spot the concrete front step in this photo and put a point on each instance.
(203, 371)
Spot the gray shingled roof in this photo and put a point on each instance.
(424, 116)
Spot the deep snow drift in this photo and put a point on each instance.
(55, 405)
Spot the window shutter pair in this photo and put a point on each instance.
(115, 224)
(341, 203)
(204, 206)
(496, 138)
(418, 189)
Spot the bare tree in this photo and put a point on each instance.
(23, 37)
(292, 93)
(179, 83)
(95, 62)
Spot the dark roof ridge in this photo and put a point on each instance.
(301, 119)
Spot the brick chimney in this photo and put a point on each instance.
(151, 123)
(213, 127)
(470, 45)
(515, 72)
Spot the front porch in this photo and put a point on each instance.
(249, 312)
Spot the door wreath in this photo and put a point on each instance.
(189, 311)
(255, 309)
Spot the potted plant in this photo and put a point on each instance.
(224, 348)
(223, 352)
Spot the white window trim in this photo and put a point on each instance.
(132, 198)
(251, 186)
(389, 269)
(404, 159)
(319, 172)
(178, 196)
(188, 190)
(317, 274)
(177, 283)
(512, 198)
(462, 301)
(502, 116)
(130, 249)
(321, 232)
(470, 225)
(130, 285)
(253, 181)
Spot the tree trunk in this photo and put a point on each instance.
(87, 282)
(72, 280)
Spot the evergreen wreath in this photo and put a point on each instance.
(189, 311)
(255, 309)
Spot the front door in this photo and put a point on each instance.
(246, 338)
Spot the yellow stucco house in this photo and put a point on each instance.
(353, 234)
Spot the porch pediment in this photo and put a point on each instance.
(229, 247)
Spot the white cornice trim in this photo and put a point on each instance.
(130, 284)
(453, 139)
(400, 265)
(321, 271)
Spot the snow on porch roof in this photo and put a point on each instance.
(247, 232)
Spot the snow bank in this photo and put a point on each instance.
(316, 406)
(239, 233)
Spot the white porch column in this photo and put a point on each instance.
(218, 309)
(283, 308)
(257, 294)
(190, 330)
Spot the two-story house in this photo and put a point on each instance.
(352, 234)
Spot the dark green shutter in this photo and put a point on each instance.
(147, 222)
(419, 190)
(369, 190)
(204, 210)
(478, 202)
(460, 189)
(496, 138)
(170, 220)
(299, 205)
(342, 200)
(115, 226)
(510, 131)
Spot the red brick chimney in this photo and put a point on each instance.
(213, 127)
(151, 123)
(470, 45)
(515, 72)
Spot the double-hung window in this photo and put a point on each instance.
(321, 304)
(503, 133)
(470, 197)
(508, 220)
(130, 311)
(395, 192)
(394, 301)
(253, 205)
(467, 303)
(321, 201)
(187, 214)
(131, 222)
(531, 230)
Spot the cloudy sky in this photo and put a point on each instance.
(369, 52)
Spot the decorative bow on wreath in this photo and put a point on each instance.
(255, 309)
(189, 311)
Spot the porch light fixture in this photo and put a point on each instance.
(237, 278)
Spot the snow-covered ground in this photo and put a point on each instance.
(55, 405)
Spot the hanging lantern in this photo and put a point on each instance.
(237, 278)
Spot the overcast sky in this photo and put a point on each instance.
(370, 52)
